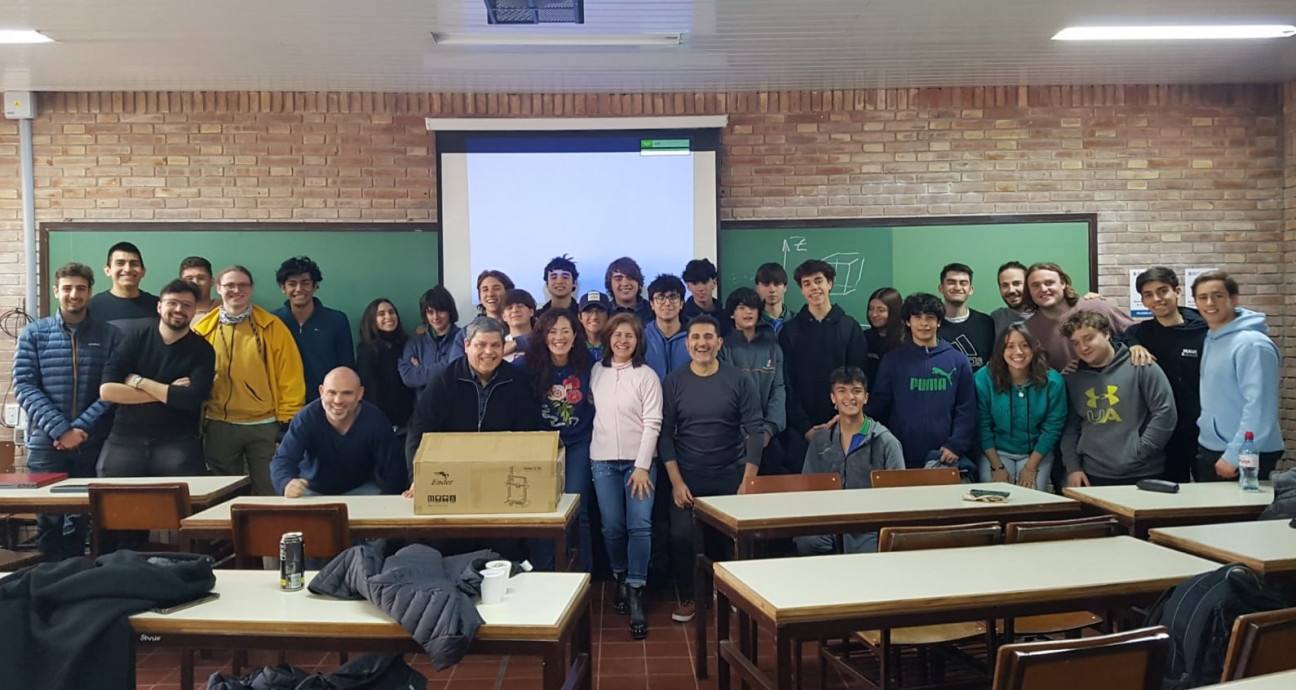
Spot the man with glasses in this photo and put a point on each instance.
(258, 385)
(664, 336)
(160, 379)
(561, 278)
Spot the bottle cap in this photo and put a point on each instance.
(1250, 436)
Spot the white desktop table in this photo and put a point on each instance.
(1195, 504)
(1266, 546)
(799, 598)
(203, 491)
(543, 614)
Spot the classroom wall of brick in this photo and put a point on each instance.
(1181, 175)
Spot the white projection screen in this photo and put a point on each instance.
(510, 200)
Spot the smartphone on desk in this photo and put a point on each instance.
(212, 596)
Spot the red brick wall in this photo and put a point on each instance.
(1180, 175)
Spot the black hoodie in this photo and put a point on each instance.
(1178, 351)
(811, 351)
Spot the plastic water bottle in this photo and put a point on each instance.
(1249, 465)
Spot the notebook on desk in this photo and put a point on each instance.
(30, 480)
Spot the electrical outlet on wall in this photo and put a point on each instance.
(11, 415)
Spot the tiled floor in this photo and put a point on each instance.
(662, 662)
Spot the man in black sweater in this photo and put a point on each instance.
(159, 377)
(710, 443)
(818, 340)
(968, 330)
(1174, 338)
(476, 392)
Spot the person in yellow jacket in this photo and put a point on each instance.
(259, 383)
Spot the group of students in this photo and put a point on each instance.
(658, 398)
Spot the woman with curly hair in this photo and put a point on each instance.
(559, 364)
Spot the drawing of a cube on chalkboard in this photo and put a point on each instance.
(850, 269)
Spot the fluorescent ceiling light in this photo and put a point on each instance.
(1163, 33)
(548, 39)
(23, 36)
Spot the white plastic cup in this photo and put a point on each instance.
(506, 566)
(494, 584)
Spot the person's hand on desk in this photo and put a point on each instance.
(640, 484)
(408, 493)
(1225, 470)
(295, 488)
(1078, 478)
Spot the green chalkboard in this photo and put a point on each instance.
(907, 254)
(359, 261)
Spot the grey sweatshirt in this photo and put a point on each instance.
(761, 359)
(711, 425)
(1121, 418)
(879, 451)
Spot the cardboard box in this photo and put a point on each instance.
(495, 472)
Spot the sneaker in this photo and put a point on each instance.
(684, 612)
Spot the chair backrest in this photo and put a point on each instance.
(1060, 530)
(158, 506)
(1131, 660)
(780, 483)
(325, 530)
(886, 479)
(1262, 643)
(938, 536)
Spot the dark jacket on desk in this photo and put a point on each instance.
(368, 672)
(429, 595)
(66, 625)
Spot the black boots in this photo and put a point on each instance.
(619, 604)
(638, 620)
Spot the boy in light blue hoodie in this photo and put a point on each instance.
(1240, 375)
(665, 340)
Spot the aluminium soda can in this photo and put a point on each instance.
(292, 561)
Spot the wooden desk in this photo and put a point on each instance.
(1265, 546)
(1274, 681)
(203, 491)
(1195, 504)
(749, 518)
(542, 615)
(378, 517)
(833, 596)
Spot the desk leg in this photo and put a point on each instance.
(562, 559)
(745, 550)
(784, 678)
(722, 636)
(554, 663)
(186, 668)
(702, 588)
(747, 642)
(583, 650)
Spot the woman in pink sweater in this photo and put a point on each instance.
(627, 419)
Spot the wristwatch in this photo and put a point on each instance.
(135, 381)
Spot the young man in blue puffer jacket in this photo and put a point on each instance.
(57, 372)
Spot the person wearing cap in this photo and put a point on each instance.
(560, 276)
(593, 310)
(700, 277)
(519, 316)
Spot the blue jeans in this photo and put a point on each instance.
(578, 482)
(63, 536)
(1014, 462)
(627, 521)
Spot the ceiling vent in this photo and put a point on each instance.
(514, 12)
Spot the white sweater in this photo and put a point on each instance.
(627, 413)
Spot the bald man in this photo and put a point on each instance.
(339, 445)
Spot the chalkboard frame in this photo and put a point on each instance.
(912, 221)
(44, 271)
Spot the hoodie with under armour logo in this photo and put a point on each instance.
(1121, 418)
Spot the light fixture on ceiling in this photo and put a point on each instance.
(15, 36)
(1174, 33)
(557, 40)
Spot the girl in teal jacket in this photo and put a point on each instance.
(1021, 411)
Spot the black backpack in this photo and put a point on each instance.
(1199, 614)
